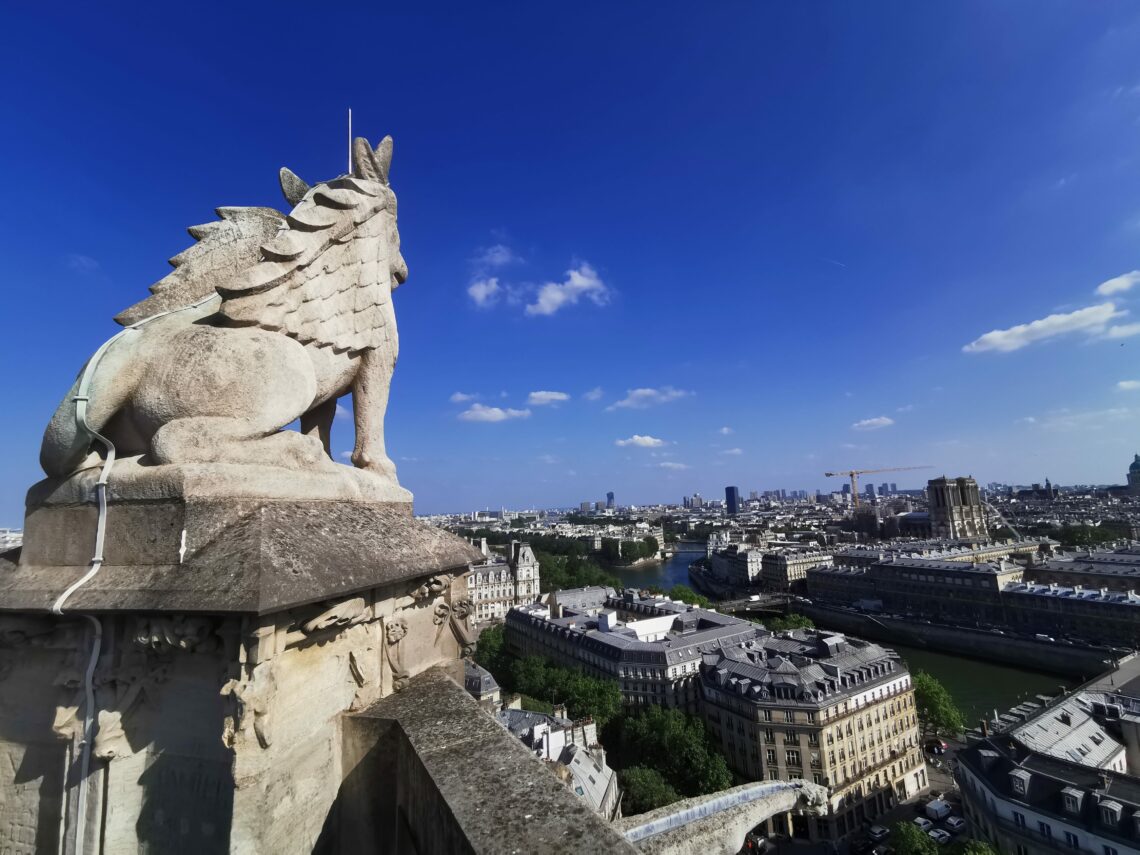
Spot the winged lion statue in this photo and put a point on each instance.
(268, 318)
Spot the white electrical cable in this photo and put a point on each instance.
(81, 399)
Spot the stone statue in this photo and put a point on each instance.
(267, 319)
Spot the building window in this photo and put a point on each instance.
(1046, 830)
(771, 755)
(1019, 819)
(792, 758)
(789, 715)
(1071, 840)
(1110, 850)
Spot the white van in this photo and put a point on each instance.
(937, 809)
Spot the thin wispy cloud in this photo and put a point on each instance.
(640, 399)
(1128, 385)
(877, 423)
(485, 293)
(670, 464)
(542, 398)
(499, 255)
(581, 282)
(82, 263)
(1117, 331)
(461, 397)
(1119, 284)
(725, 431)
(594, 394)
(733, 452)
(342, 412)
(1092, 320)
(905, 408)
(640, 441)
(1067, 421)
(482, 413)
(547, 458)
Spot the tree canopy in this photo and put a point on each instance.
(674, 743)
(937, 712)
(687, 595)
(908, 839)
(645, 790)
(788, 621)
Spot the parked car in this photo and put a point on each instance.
(935, 746)
(955, 824)
(923, 823)
(939, 836)
(878, 833)
(937, 809)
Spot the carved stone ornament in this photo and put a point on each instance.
(284, 314)
(395, 630)
(162, 633)
(342, 614)
(253, 702)
(431, 589)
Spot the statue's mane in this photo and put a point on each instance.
(313, 274)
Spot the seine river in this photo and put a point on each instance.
(977, 687)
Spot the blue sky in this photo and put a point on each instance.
(750, 241)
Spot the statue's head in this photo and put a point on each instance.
(364, 200)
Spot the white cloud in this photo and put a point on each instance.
(1119, 284)
(905, 408)
(498, 255)
(582, 281)
(725, 431)
(342, 412)
(594, 394)
(640, 441)
(345, 455)
(1122, 331)
(1027, 420)
(547, 458)
(669, 464)
(1128, 385)
(484, 292)
(1091, 319)
(733, 451)
(873, 424)
(851, 446)
(461, 397)
(481, 413)
(639, 399)
(541, 399)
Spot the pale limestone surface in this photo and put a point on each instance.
(269, 318)
(215, 734)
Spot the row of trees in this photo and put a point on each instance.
(661, 755)
(626, 552)
(584, 696)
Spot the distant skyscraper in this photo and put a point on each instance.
(584, 507)
(846, 490)
(599, 506)
(753, 496)
(894, 487)
(732, 500)
(870, 491)
(610, 500)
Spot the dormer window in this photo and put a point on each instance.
(1110, 813)
(1072, 798)
(1019, 781)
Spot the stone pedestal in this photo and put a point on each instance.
(236, 631)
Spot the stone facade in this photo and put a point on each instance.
(956, 509)
(834, 710)
(495, 586)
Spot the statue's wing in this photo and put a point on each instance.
(322, 280)
(223, 250)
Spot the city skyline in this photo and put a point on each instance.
(648, 253)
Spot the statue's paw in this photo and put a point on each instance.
(382, 466)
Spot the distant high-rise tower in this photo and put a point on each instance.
(610, 500)
(584, 507)
(894, 487)
(956, 508)
(732, 500)
(1134, 475)
(870, 491)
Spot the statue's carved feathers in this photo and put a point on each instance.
(227, 245)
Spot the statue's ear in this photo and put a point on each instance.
(363, 163)
(292, 186)
(383, 157)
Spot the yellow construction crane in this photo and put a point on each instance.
(854, 474)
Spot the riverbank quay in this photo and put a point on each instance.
(1051, 657)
